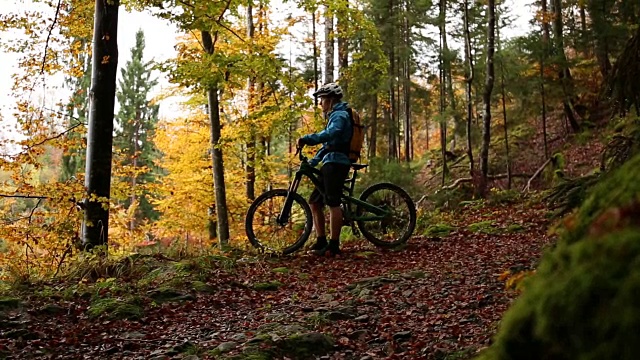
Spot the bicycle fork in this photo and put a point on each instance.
(285, 213)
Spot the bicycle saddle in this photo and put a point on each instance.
(359, 166)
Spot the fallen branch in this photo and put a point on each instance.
(448, 168)
(465, 180)
(140, 340)
(490, 177)
(528, 186)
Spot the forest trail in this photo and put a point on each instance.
(438, 298)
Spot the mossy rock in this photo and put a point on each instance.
(52, 309)
(484, 227)
(115, 309)
(167, 294)
(203, 287)
(9, 303)
(581, 304)
(253, 353)
(305, 346)
(618, 189)
(439, 230)
(281, 270)
(267, 286)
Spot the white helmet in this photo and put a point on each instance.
(330, 89)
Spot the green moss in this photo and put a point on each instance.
(439, 230)
(485, 227)
(115, 308)
(270, 285)
(581, 304)
(617, 189)
(282, 270)
(9, 303)
(498, 197)
(515, 228)
(203, 287)
(582, 301)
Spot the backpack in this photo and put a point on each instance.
(357, 137)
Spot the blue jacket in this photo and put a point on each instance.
(338, 131)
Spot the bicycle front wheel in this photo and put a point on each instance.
(397, 226)
(266, 233)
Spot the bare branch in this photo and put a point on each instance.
(224, 11)
(231, 31)
(46, 45)
(57, 136)
(24, 196)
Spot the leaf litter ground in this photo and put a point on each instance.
(437, 298)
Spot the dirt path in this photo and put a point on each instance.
(439, 298)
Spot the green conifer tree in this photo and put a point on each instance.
(136, 121)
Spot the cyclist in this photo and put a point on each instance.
(335, 140)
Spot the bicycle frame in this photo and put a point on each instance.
(313, 175)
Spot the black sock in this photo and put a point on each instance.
(322, 239)
(334, 244)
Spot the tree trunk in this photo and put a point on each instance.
(251, 143)
(95, 228)
(443, 102)
(426, 126)
(373, 137)
(386, 117)
(584, 43)
(329, 45)
(600, 24)
(565, 74)
(543, 97)
(315, 55)
(486, 130)
(134, 163)
(503, 94)
(407, 114)
(391, 124)
(449, 84)
(469, 75)
(216, 152)
(543, 56)
(397, 124)
(343, 48)
(545, 23)
(406, 87)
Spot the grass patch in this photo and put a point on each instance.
(484, 227)
(115, 308)
(317, 319)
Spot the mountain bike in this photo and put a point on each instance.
(280, 220)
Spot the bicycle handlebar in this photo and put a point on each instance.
(300, 155)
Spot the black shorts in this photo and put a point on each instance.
(332, 176)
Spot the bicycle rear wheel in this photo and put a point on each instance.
(395, 228)
(265, 233)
